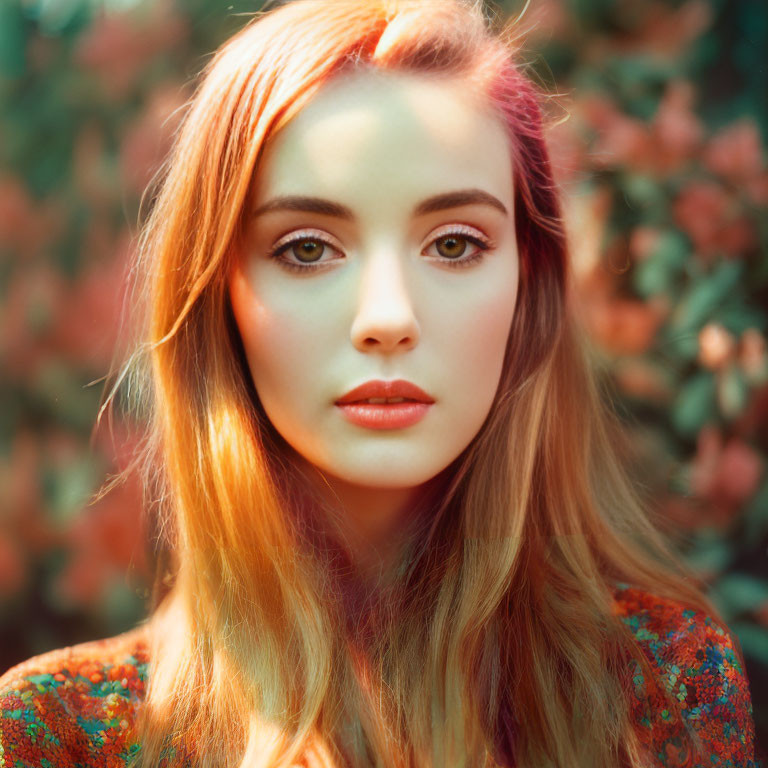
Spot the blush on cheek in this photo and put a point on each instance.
(487, 337)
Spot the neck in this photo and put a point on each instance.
(374, 523)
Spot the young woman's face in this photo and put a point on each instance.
(399, 262)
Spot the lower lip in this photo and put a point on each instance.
(390, 416)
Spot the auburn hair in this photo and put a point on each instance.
(497, 644)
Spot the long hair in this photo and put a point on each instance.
(497, 642)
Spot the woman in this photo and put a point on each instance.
(395, 530)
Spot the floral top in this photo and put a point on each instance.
(77, 706)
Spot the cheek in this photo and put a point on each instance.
(274, 344)
(486, 337)
(473, 349)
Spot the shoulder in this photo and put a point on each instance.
(74, 705)
(698, 665)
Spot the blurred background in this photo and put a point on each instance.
(660, 122)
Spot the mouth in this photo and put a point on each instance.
(370, 414)
(386, 393)
(385, 404)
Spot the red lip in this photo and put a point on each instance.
(377, 388)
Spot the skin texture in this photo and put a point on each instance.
(386, 302)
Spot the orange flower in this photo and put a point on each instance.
(625, 326)
(637, 378)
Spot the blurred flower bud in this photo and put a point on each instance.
(752, 356)
(716, 346)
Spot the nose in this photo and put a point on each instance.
(385, 320)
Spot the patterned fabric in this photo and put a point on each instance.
(74, 706)
(77, 706)
(695, 659)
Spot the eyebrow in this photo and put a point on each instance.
(430, 205)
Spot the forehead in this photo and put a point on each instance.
(372, 135)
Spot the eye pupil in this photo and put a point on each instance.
(314, 250)
(453, 251)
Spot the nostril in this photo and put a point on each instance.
(371, 341)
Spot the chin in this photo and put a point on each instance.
(394, 478)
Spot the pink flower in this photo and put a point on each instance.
(89, 317)
(668, 32)
(118, 45)
(28, 316)
(739, 472)
(642, 242)
(724, 473)
(711, 218)
(621, 326)
(16, 212)
(757, 189)
(26, 226)
(753, 354)
(677, 130)
(621, 140)
(106, 544)
(27, 525)
(736, 153)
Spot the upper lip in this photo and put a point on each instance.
(378, 388)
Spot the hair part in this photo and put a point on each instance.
(497, 645)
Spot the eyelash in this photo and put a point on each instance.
(482, 243)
